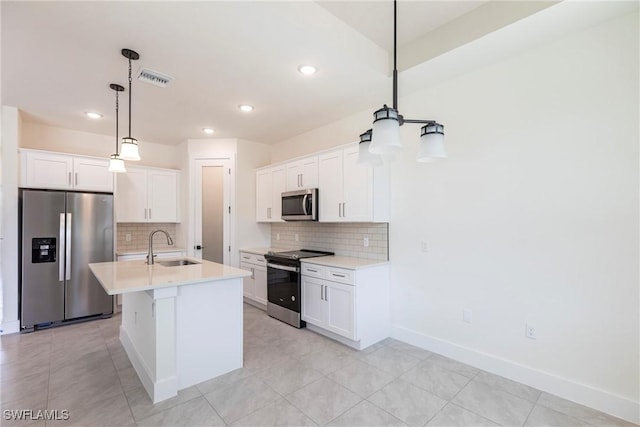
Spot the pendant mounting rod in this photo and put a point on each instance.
(395, 65)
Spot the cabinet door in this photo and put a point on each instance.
(309, 178)
(247, 282)
(278, 186)
(260, 283)
(313, 305)
(92, 175)
(357, 179)
(47, 170)
(263, 196)
(340, 309)
(294, 173)
(330, 185)
(131, 195)
(162, 198)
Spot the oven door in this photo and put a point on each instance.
(283, 286)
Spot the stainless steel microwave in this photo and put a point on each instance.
(300, 205)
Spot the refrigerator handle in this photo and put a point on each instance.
(61, 249)
(68, 248)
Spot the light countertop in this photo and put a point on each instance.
(145, 251)
(345, 262)
(133, 276)
(262, 251)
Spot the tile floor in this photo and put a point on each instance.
(290, 377)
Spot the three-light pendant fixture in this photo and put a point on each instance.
(383, 139)
(129, 148)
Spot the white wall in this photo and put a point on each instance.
(11, 132)
(251, 155)
(533, 218)
(50, 138)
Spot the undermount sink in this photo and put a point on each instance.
(176, 262)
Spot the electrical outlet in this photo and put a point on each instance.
(424, 247)
(467, 315)
(277, 236)
(127, 237)
(530, 331)
(366, 242)
(296, 236)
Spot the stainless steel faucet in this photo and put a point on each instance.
(150, 254)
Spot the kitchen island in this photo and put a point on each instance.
(181, 324)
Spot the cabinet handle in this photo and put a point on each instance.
(326, 293)
(145, 213)
(339, 210)
(149, 213)
(268, 212)
(301, 182)
(253, 273)
(246, 257)
(322, 292)
(344, 209)
(69, 179)
(312, 270)
(338, 275)
(76, 178)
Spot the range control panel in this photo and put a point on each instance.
(43, 249)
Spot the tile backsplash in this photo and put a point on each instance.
(345, 239)
(140, 235)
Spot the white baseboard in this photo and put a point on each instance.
(10, 327)
(583, 394)
(157, 391)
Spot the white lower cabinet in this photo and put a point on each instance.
(329, 305)
(254, 286)
(349, 305)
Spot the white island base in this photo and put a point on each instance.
(180, 336)
(181, 325)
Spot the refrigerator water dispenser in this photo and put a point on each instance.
(43, 249)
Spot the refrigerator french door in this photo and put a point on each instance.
(61, 233)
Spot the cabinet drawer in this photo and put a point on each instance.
(313, 270)
(250, 258)
(340, 275)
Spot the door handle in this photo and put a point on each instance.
(149, 213)
(68, 248)
(253, 273)
(69, 179)
(268, 212)
(145, 213)
(344, 209)
(76, 178)
(301, 180)
(61, 249)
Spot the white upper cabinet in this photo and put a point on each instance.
(147, 195)
(350, 192)
(302, 174)
(41, 169)
(270, 184)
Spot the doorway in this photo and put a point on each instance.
(212, 210)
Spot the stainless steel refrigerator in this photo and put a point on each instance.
(60, 234)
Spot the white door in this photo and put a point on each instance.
(278, 186)
(92, 175)
(131, 195)
(49, 170)
(313, 305)
(358, 203)
(248, 283)
(260, 283)
(263, 196)
(162, 196)
(340, 302)
(330, 184)
(212, 222)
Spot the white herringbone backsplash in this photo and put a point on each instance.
(345, 239)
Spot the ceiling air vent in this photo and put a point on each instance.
(153, 77)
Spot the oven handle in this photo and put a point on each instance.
(283, 267)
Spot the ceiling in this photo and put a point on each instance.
(58, 59)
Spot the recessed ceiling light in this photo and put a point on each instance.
(93, 115)
(246, 108)
(307, 70)
(209, 131)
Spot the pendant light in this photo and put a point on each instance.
(130, 144)
(366, 157)
(116, 164)
(385, 134)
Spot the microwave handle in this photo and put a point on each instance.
(304, 204)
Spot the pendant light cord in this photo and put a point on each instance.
(395, 67)
(117, 126)
(129, 97)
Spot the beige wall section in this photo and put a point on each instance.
(532, 218)
(42, 137)
(251, 155)
(11, 125)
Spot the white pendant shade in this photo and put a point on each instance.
(116, 164)
(129, 149)
(386, 137)
(431, 147)
(366, 157)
